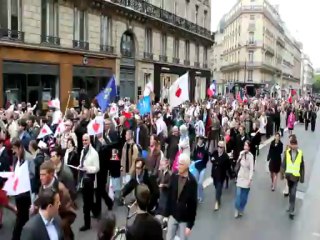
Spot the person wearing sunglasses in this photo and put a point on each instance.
(140, 176)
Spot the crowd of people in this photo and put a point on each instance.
(161, 158)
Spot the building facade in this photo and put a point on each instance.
(307, 74)
(53, 48)
(256, 48)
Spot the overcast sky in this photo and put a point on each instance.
(302, 25)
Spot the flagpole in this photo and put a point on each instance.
(65, 112)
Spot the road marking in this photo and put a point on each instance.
(300, 195)
(316, 234)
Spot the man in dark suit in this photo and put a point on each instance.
(46, 224)
(23, 133)
(141, 176)
(141, 134)
(145, 226)
(4, 158)
(104, 145)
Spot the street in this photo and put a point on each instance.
(265, 217)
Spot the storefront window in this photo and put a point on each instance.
(29, 87)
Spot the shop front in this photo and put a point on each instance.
(31, 75)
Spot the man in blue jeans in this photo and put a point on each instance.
(220, 166)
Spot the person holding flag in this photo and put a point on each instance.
(107, 94)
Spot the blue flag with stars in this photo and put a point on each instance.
(144, 105)
(107, 94)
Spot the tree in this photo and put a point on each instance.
(316, 84)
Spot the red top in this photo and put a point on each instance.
(4, 200)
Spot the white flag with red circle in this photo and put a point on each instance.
(179, 91)
(45, 131)
(95, 126)
(60, 129)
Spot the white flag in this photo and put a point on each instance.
(60, 129)
(45, 131)
(18, 181)
(95, 126)
(148, 89)
(179, 91)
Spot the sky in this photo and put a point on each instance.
(302, 24)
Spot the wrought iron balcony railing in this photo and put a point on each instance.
(163, 58)
(107, 49)
(151, 10)
(11, 35)
(147, 55)
(80, 44)
(50, 40)
(175, 60)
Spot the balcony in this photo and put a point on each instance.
(11, 35)
(176, 60)
(163, 58)
(186, 62)
(80, 44)
(107, 49)
(269, 50)
(251, 43)
(197, 64)
(50, 40)
(148, 56)
(145, 8)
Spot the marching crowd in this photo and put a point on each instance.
(160, 157)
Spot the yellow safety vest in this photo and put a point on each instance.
(293, 168)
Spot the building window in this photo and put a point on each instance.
(10, 15)
(176, 48)
(250, 56)
(197, 53)
(148, 40)
(50, 18)
(162, 4)
(127, 45)
(186, 9)
(164, 45)
(80, 29)
(250, 75)
(175, 7)
(205, 16)
(196, 15)
(187, 50)
(251, 37)
(106, 31)
(252, 17)
(205, 55)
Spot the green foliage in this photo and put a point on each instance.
(316, 85)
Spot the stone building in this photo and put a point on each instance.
(257, 49)
(50, 48)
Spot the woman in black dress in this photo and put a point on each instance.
(274, 158)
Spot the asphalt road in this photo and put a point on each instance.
(265, 216)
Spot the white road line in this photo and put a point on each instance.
(315, 234)
(300, 195)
